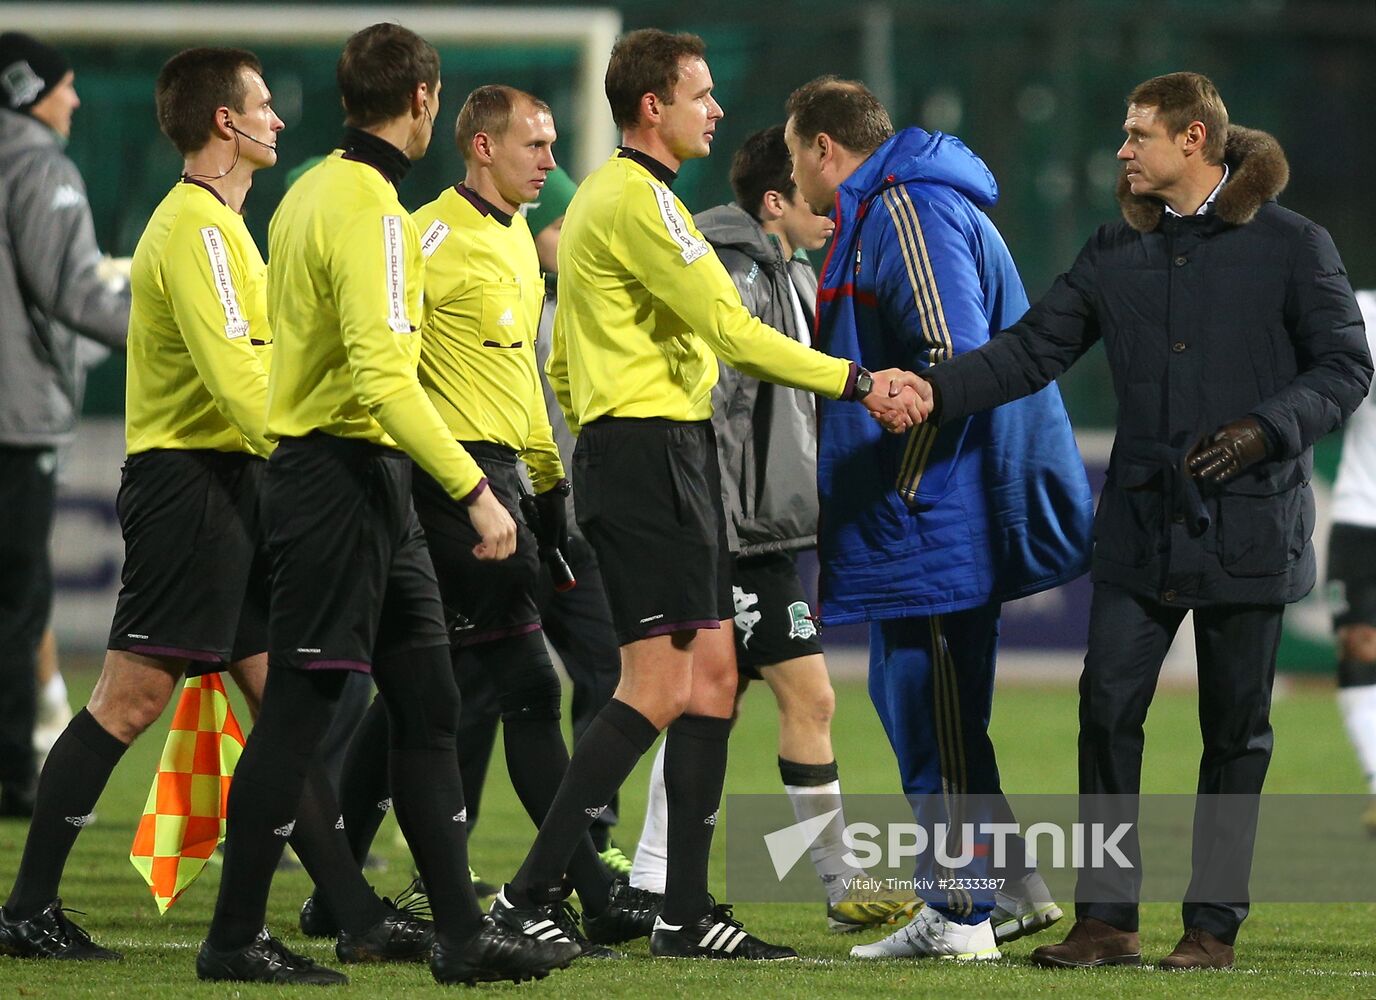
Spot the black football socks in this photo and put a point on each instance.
(427, 792)
(320, 844)
(265, 796)
(602, 760)
(694, 773)
(77, 770)
(537, 759)
(364, 785)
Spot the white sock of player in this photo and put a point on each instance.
(826, 852)
(52, 702)
(652, 852)
(1358, 706)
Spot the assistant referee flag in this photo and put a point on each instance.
(184, 817)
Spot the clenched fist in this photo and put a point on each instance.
(495, 525)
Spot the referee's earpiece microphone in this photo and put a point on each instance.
(265, 145)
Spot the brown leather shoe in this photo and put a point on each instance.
(1091, 943)
(1198, 950)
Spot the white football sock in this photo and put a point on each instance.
(52, 700)
(652, 852)
(826, 851)
(1358, 706)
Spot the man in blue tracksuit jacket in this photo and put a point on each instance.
(967, 515)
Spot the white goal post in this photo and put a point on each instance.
(592, 30)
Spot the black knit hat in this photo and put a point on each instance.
(28, 70)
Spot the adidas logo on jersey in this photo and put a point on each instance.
(80, 821)
(711, 820)
(285, 831)
(339, 823)
(506, 319)
(595, 811)
(461, 816)
(383, 805)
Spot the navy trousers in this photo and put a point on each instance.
(1129, 635)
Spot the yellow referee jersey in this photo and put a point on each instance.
(644, 303)
(483, 294)
(344, 294)
(198, 330)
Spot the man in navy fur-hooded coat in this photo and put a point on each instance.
(1234, 342)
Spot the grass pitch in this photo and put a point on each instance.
(1307, 950)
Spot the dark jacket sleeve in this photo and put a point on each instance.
(1030, 354)
(1331, 349)
(56, 253)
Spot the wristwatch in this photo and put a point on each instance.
(864, 385)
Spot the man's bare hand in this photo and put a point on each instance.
(493, 522)
(900, 400)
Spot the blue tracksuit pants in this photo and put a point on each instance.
(932, 683)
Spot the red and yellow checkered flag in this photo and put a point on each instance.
(184, 818)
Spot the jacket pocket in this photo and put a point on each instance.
(926, 471)
(587, 495)
(686, 469)
(1263, 533)
(502, 324)
(1128, 523)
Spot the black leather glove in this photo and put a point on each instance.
(1220, 456)
(554, 517)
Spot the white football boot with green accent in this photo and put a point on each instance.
(930, 935)
(1023, 907)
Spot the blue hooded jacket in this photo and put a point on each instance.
(988, 508)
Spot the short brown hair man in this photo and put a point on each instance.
(193, 84)
(845, 110)
(647, 61)
(1183, 100)
(350, 418)
(378, 70)
(1234, 342)
(646, 309)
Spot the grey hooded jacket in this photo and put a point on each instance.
(766, 433)
(50, 291)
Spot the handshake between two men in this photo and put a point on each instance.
(899, 399)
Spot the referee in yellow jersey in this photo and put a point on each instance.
(193, 595)
(353, 585)
(645, 310)
(483, 296)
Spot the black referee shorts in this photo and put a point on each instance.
(648, 497)
(484, 599)
(352, 579)
(773, 623)
(194, 581)
(1352, 575)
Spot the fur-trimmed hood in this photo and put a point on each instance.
(1258, 171)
